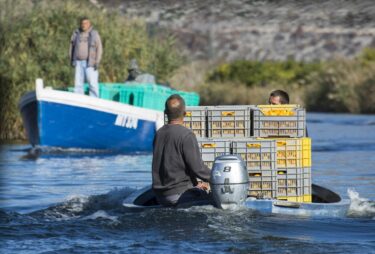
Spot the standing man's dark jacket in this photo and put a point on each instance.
(176, 161)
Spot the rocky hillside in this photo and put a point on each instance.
(247, 29)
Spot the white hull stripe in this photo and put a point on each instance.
(84, 101)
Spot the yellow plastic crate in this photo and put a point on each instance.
(293, 152)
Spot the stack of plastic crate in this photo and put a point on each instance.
(153, 96)
(110, 91)
(270, 139)
(226, 130)
(286, 124)
(260, 159)
(294, 169)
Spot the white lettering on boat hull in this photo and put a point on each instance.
(126, 121)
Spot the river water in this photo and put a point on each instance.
(70, 202)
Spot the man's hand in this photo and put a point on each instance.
(203, 186)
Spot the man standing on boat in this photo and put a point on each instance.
(85, 55)
(177, 162)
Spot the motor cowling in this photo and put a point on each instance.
(229, 181)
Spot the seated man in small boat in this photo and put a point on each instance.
(279, 97)
(177, 162)
(135, 74)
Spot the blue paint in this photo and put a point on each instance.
(68, 126)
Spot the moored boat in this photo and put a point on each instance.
(55, 118)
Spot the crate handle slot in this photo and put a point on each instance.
(281, 172)
(255, 174)
(208, 145)
(227, 113)
(281, 143)
(188, 114)
(253, 145)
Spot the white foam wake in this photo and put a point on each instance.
(87, 207)
(360, 207)
(101, 215)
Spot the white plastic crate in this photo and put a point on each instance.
(195, 120)
(294, 183)
(212, 148)
(228, 121)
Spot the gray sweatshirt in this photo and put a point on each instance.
(176, 161)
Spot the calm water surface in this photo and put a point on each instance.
(70, 202)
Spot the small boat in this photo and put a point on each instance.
(63, 119)
(229, 185)
(325, 203)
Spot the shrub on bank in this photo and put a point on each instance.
(256, 73)
(343, 86)
(338, 85)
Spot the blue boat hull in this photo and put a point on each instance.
(67, 120)
(76, 127)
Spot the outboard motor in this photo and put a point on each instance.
(229, 181)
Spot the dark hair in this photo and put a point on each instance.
(174, 107)
(83, 18)
(284, 97)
